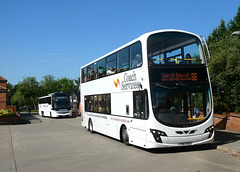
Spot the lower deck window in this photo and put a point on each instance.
(140, 104)
(100, 103)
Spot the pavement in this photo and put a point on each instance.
(226, 141)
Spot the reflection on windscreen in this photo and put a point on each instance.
(174, 48)
(180, 106)
(62, 102)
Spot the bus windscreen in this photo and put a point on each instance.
(62, 102)
(174, 48)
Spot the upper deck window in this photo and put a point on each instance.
(174, 48)
(123, 59)
(136, 55)
(90, 72)
(111, 64)
(102, 68)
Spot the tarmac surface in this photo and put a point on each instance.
(225, 141)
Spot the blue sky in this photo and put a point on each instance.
(57, 37)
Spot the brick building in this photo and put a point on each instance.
(3, 93)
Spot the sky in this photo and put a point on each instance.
(57, 37)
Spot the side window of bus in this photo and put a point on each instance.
(136, 55)
(84, 75)
(95, 68)
(49, 101)
(98, 103)
(140, 104)
(111, 64)
(89, 104)
(45, 100)
(102, 68)
(90, 72)
(95, 99)
(123, 59)
(192, 55)
(108, 103)
(101, 104)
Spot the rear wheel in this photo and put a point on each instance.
(90, 126)
(124, 135)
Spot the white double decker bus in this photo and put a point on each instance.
(55, 105)
(152, 92)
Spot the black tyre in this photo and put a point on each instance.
(124, 135)
(90, 126)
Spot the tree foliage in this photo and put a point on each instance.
(26, 92)
(48, 85)
(224, 65)
(29, 89)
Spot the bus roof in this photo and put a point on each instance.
(54, 94)
(142, 37)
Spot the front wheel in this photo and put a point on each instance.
(124, 135)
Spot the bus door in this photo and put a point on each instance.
(140, 115)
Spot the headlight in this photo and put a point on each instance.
(157, 135)
(210, 130)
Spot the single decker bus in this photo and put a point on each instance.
(152, 92)
(55, 105)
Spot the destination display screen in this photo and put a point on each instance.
(177, 74)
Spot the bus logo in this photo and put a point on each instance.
(116, 82)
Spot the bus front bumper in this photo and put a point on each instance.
(63, 114)
(181, 141)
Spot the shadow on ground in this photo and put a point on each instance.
(222, 137)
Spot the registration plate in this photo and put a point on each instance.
(185, 144)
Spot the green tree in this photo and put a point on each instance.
(224, 65)
(224, 69)
(234, 25)
(47, 85)
(18, 98)
(77, 83)
(65, 85)
(11, 91)
(29, 89)
(218, 33)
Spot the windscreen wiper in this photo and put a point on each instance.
(165, 87)
(187, 85)
(179, 84)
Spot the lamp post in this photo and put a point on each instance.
(236, 33)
